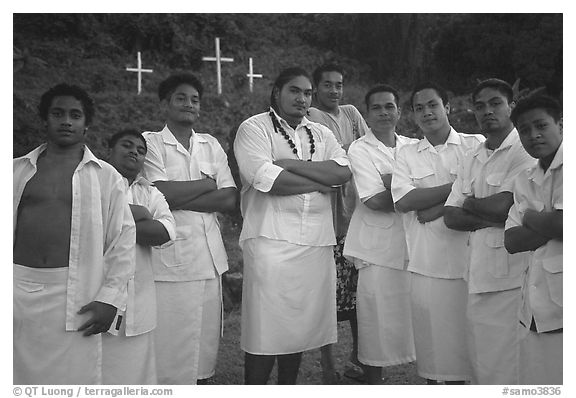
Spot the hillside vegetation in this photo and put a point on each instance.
(93, 50)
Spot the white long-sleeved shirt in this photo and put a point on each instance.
(102, 233)
(303, 219)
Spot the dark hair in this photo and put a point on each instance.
(382, 88)
(442, 93)
(548, 104)
(167, 86)
(65, 90)
(317, 74)
(497, 84)
(284, 77)
(112, 141)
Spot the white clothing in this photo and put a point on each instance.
(376, 237)
(288, 297)
(433, 249)
(491, 268)
(385, 336)
(493, 331)
(541, 358)
(198, 250)
(347, 126)
(182, 319)
(212, 328)
(129, 360)
(44, 351)
(304, 219)
(102, 233)
(439, 321)
(542, 290)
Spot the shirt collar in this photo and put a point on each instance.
(453, 139)
(511, 139)
(537, 173)
(87, 156)
(303, 122)
(141, 180)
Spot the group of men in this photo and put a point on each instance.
(445, 250)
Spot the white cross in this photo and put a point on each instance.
(218, 60)
(139, 70)
(251, 75)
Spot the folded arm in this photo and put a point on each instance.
(522, 239)
(460, 219)
(424, 198)
(220, 200)
(287, 183)
(493, 208)
(177, 193)
(545, 223)
(381, 202)
(326, 172)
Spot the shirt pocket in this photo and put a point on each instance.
(181, 251)
(319, 150)
(208, 169)
(421, 176)
(499, 256)
(30, 287)
(553, 271)
(370, 234)
(495, 180)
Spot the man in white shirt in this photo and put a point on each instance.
(421, 182)
(73, 252)
(289, 166)
(479, 202)
(191, 170)
(535, 226)
(376, 241)
(128, 357)
(347, 124)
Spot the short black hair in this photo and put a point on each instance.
(67, 90)
(497, 84)
(382, 88)
(442, 93)
(548, 104)
(112, 141)
(284, 77)
(167, 86)
(317, 74)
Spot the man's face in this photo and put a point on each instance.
(330, 90)
(66, 122)
(128, 156)
(183, 106)
(539, 133)
(383, 112)
(492, 110)
(294, 99)
(430, 113)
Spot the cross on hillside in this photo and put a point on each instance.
(251, 74)
(139, 70)
(218, 60)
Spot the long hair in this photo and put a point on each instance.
(284, 77)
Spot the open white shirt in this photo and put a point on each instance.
(102, 233)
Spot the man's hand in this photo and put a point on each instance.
(386, 180)
(430, 214)
(102, 317)
(469, 204)
(140, 213)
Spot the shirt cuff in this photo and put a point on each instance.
(265, 177)
(364, 196)
(399, 192)
(342, 161)
(114, 297)
(169, 228)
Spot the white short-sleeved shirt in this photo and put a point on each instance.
(303, 219)
(542, 290)
(434, 250)
(347, 126)
(102, 232)
(491, 268)
(141, 307)
(376, 237)
(198, 250)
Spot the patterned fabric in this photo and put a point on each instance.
(346, 283)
